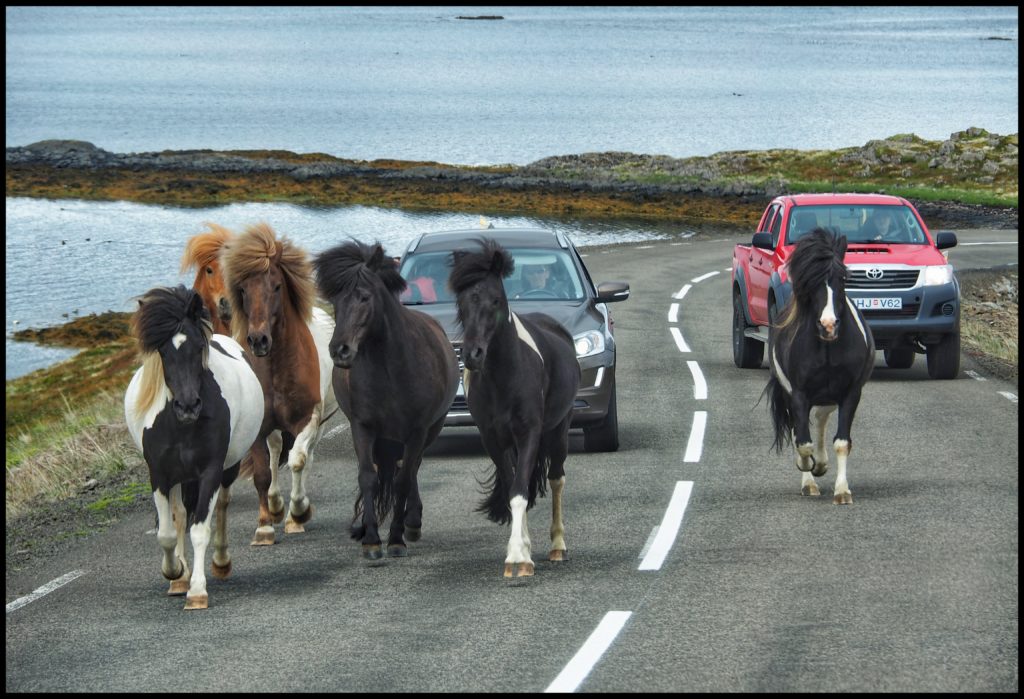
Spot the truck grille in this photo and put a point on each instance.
(460, 402)
(889, 279)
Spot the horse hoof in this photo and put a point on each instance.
(398, 551)
(177, 588)
(413, 533)
(810, 489)
(264, 536)
(525, 569)
(558, 555)
(220, 571)
(197, 602)
(372, 552)
(820, 468)
(293, 527)
(302, 518)
(843, 499)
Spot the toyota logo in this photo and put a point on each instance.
(874, 273)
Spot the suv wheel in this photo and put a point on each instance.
(746, 351)
(604, 436)
(899, 357)
(944, 357)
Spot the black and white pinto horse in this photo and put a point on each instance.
(395, 376)
(193, 409)
(821, 354)
(521, 378)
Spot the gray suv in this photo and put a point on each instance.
(549, 277)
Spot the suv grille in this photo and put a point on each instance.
(890, 279)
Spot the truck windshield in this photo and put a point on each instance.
(859, 223)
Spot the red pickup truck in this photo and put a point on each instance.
(898, 276)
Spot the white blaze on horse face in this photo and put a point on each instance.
(525, 335)
(178, 340)
(828, 314)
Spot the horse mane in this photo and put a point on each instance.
(469, 268)
(252, 253)
(341, 268)
(161, 313)
(818, 255)
(204, 248)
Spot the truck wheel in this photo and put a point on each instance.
(944, 357)
(746, 351)
(605, 435)
(899, 357)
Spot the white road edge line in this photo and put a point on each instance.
(586, 657)
(695, 444)
(669, 527)
(700, 386)
(673, 313)
(335, 430)
(1012, 397)
(44, 590)
(704, 276)
(975, 375)
(678, 337)
(682, 292)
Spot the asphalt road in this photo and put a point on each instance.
(912, 588)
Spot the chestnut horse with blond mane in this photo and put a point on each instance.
(202, 252)
(271, 288)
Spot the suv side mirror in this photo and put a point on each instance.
(607, 292)
(763, 240)
(945, 239)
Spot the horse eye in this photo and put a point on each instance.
(209, 270)
(278, 287)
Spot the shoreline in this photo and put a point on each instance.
(967, 181)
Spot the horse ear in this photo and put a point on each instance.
(502, 263)
(195, 307)
(376, 258)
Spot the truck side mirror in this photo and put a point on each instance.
(607, 292)
(763, 240)
(945, 239)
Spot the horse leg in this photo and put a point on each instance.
(414, 505)
(557, 451)
(220, 564)
(819, 422)
(275, 503)
(367, 532)
(261, 478)
(171, 566)
(405, 484)
(518, 561)
(200, 534)
(801, 410)
(180, 517)
(843, 444)
(299, 457)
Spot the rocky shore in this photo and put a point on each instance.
(968, 180)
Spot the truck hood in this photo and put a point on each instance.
(913, 255)
(576, 316)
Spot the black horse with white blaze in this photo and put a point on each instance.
(821, 354)
(520, 380)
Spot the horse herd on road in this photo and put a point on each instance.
(243, 372)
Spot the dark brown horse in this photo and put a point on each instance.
(395, 377)
(272, 291)
(521, 379)
(202, 252)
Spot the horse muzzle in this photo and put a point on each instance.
(259, 343)
(828, 333)
(344, 356)
(187, 415)
(473, 357)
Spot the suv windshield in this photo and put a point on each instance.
(540, 273)
(859, 223)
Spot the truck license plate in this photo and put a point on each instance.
(879, 304)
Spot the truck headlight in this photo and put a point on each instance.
(934, 275)
(589, 343)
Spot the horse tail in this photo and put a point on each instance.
(782, 418)
(495, 504)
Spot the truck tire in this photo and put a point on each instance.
(604, 436)
(944, 357)
(899, 357)
(746, 351)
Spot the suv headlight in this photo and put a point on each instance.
(934, 275)
(589, 343)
